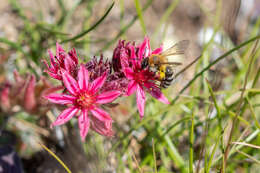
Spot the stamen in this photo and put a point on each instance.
(86, 100)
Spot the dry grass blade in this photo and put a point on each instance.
(238, 107)
(248, 156)
(136, 162)
(246, 144)
(56, 157)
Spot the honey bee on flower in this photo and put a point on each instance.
(162, 64)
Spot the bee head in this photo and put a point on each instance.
(169, 71)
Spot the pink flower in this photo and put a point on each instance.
(121, 55)
(4, 98)
(84, 97)
(29, 95)
(115, 80)
(141, 80)
(62, 61)
(27, 92)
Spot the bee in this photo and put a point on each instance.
(162, 64)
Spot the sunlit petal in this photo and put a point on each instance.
(70, 83)
(65, 116)
(60, 98)
(107, 97)
(84, 123)
(83, 77)
(140, 100)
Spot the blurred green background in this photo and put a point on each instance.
(217, 94)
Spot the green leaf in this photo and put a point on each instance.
(92, 27)
(140, 15)
(126, 27)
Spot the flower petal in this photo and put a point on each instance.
(46, 64)
(84, 124)
(83, 77)
(140, 100)
(73, 55)
(107, 97)
(17, 77)
(60, 98)
(98, 83)
(4, 98)
(102, 127)
(59, 50)
(70, 83)
(69, 64)
(52, 60)
(65, 116)
(131, 87)
(54, 75)
(100, 114)
(158, 50)
(29, 95)
(156, 93)
(129, 73)
(133, 59)
(144, 48)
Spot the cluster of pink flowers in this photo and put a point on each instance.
(27, 93)
(90, 87)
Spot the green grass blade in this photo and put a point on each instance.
(92, 27)
(139, 12)
(175, 124)
(175, 155)
(252, 136)
(232, 114)
(253, 113)
(211, 64)
(215, 104)
(212, 154)
(165, 16)
(66, 15)
(191, 144)
(13, 45)
(154, 157)
(125, 28)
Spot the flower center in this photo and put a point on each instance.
(143, 76)
(86, 100)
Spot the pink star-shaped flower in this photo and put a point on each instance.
(142, 80)
(61, 61)
(85, 97)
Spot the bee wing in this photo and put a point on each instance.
(178, 48)
(176, 52)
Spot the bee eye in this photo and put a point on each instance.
(168, 70)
